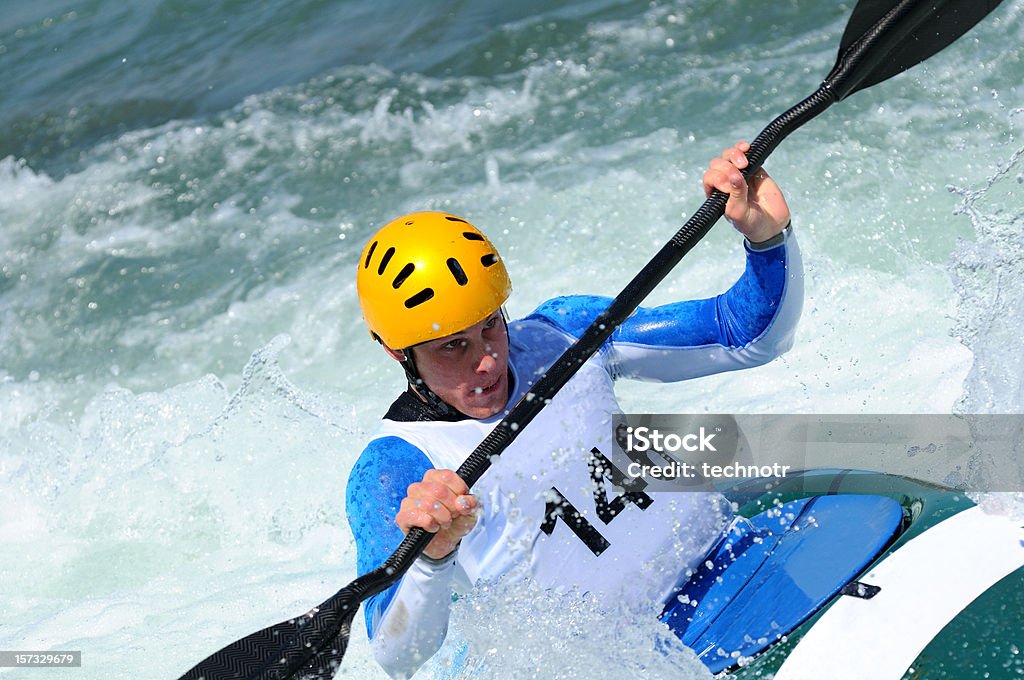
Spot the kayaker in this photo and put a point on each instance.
(432, 289)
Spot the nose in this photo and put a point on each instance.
(487, 362)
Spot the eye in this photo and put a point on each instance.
(492, 322)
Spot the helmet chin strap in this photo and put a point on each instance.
(441, 409)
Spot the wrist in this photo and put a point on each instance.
(769, 241)
(439, 561)
(764, 233)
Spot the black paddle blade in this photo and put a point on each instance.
(883, 39)
(309, 647)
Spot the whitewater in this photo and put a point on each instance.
(184, 191)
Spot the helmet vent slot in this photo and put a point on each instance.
(457, 271)
(369, 254)
(388, 254)
(453, 218)
(489, 260)
(470, 236)
(419, 298)
(406, 272)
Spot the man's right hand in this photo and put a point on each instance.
(440, 504)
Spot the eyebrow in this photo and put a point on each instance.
(458, 335)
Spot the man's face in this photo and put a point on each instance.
(468, 369)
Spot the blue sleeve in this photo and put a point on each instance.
(671, 341)
(376, 487)
(733, 319)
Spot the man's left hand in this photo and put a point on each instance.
(757, 208)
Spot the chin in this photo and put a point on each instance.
(481, 411)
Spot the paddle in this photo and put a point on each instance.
(883, 38)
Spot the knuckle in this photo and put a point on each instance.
(460, 485)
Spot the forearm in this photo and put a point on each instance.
(748, 325)
(415, 623)
(392, 488)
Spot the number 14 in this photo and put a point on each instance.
(559, 507)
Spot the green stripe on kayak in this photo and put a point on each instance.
(984, 641)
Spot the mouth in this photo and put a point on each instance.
(481, 392)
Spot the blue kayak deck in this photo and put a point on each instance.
(772, 572)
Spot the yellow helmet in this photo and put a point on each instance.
(427, 275)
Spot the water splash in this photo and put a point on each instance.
(988, 274)
(263, 377)
(513, 629)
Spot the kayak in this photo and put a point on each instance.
(851, 574)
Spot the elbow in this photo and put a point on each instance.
(766, 349)
(780, 336)
(767, 353)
